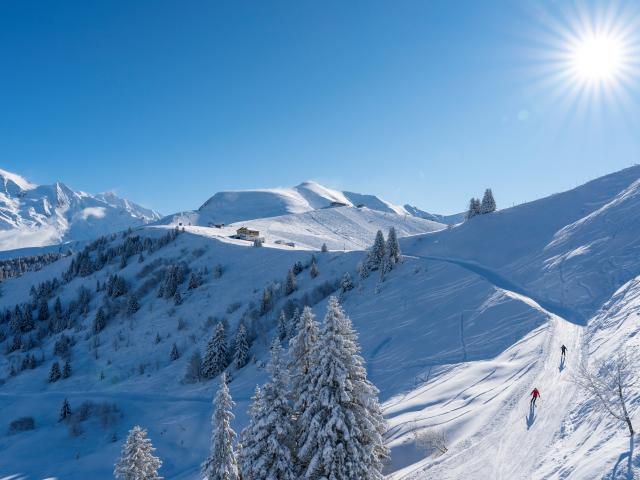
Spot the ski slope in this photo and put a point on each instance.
(455, 337)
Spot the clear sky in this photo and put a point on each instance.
(422, 102)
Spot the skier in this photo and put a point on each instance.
(534, 395)
(563, 349)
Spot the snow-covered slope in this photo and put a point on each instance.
(37, 215)
(242, 205)
(455, 337)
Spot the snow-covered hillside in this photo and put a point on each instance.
(243, 205)
(455, 337)
(37, 215)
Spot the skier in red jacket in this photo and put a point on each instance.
(534, 395)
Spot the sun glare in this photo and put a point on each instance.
(598, 58)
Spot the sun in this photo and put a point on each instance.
(598, 58)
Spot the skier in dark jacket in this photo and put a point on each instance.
(563, 349)
(534, 395)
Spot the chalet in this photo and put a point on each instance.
(243, 233)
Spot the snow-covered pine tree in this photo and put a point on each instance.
(294, 323)
(215, 358)
(174, 354)
(346, 284)
(249, 438)
(269, 448)
(471, 211)
(476, 207)
(43, 310)
(488, 204)
(241, 352)
(313, 271)
(132, 304)
(66, 370)
(393, 247)
(57, 309)
(324, 248)
(221, 463)
(100, 321)
(137, 461)
(54, 373)
(283, 326)
(301, 349)
(65, 410)
(177, 299)
(377, 252)
(290, 283)
(387, 266)
(340, 430)
(265, 303)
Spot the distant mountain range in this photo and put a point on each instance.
(38, 215)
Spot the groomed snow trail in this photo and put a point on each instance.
(513, 443)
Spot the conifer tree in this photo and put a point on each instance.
(488, 204)
(132, 304)
(241, 353)
(377, 252)
(294, 324)
(301, 349)
(137, 461)
(65, 411)
(43, 310)
(54, 373)
(393, 247)
(290, 283)
(174, 354)
(268, 448)
(313, 271)
(66, 370)
(265, 303)
(283, 327)
(346, 284)
(215, 358)
(341, 415)
(324, 248)
(57, 309)
(100, 321)
(27, 319)
(221, 463)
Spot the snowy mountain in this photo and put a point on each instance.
(37, 215)
(455, 336)
(242, 205)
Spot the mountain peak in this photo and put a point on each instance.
(12, 181)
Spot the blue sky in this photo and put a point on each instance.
(425, 102)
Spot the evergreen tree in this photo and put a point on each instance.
(221, 463)
(195, 280)
(324, 248)
(65, 411)
(265, 303)
(100, 321)
(174, 354)
(488, 204)
(137, 461)
(283, 326)
(294, 323)
(313, 271)
(340, 428)
(474, 208)
(267, 453)
(215, 358)
(43, 310)
(54, 373)
(250, 437)
(346, 284)
(27, 319)
(132, 304)
(290, 283)
(177, 299)
(393, 247)
(241, 353)
(377, 252)
(57, 309)
(66, 370)
(301, 348)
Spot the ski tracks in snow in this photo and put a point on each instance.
(517, 440)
